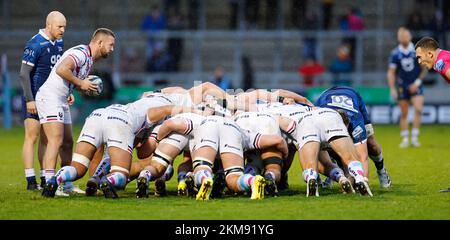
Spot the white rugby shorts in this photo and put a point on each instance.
(320, 125)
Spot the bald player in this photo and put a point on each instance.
(70, 71)
(405, 78)
(39, 56)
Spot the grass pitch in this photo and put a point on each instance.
(417, 175)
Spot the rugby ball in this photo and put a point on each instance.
(97, 81)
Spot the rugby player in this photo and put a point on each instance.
(40, 55)
(72, 69)
(117, 126)
(429, 55)
(405, 77)
(347, 101)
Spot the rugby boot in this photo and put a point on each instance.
(50, 188)
(205, 190)
(33, 185)
(92, 186)
(270, 185)
(346, 185)
(142, 187)
(383, 177)
(108, 189)
(312, 189)
(160, 188)
(258, 188)
(182, 188)
(219, 185)
(362, 187)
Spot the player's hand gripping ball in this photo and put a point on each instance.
(97, 81)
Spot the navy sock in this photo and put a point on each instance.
(31, 179)
(380, 164)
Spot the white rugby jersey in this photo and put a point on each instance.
(259, 122)
(180, 99)
(137, 111)
(293, 111)
(56, 87)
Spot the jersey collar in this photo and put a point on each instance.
(406, 50)
(42, 33)
(90, 52)
(437, 59)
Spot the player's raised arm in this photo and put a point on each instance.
(178, 125)
(173, 90)
(296, 97)
(65, 71)
(199, 93)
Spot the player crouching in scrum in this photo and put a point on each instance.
(117, 126)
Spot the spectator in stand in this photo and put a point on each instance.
(355, 20)
(341, 64)
(352, 22)
(309, 70)
(152, 25)
(220, 79)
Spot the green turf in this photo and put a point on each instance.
(417, 175)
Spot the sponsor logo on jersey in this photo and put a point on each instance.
(333, 130)
(89, 136)
(440, 65)
(357, 132)
(229, 146)
(310, 135)
(207, 140)
(117, 118)
(116, 141)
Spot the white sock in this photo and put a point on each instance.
(49, 173)
(404, 134)
(29, 172)
(146, 174)
(42, 173)
(415, 134)
(309, 173)
(355, 169)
